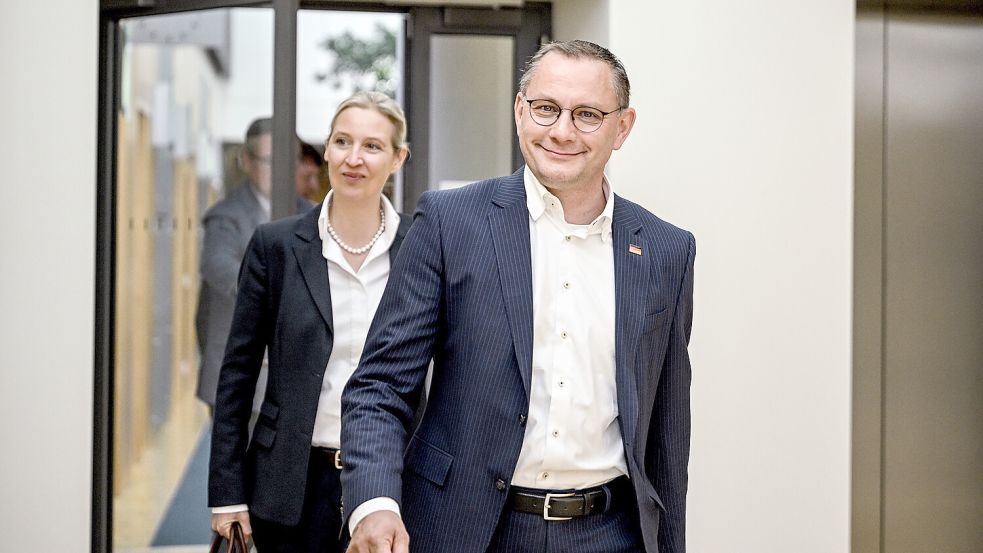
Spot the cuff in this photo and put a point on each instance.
(230, 509)
(369, 507)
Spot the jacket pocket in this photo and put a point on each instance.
(269, 410)
(654, 321)
(428, 461)
(263, 435)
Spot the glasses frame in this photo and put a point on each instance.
(604, 114)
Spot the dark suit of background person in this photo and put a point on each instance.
(306, 298)
(228, 226)
(461, 291)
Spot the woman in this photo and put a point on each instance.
(308, 288)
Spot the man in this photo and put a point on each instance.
(228, 225)
(558, 318)
(308, 176)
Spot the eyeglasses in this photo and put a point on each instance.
(261, 159)
(585, 118)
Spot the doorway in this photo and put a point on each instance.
(181, 81)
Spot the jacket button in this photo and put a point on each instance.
(500, 485)
(522, 420)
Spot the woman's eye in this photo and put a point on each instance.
(341, 141)
(373, 146)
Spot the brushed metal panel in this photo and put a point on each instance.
(933, 472)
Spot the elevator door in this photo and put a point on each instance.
(920, 181)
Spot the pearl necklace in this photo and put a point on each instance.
(365, 248)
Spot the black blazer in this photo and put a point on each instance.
(284, 306)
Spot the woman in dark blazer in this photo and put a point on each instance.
(308, 289)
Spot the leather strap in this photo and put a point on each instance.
(237, 543)
(569, 504)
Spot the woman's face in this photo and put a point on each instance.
(360, 154)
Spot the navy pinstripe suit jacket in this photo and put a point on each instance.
(461, 292)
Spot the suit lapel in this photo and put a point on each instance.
(631, 275)
(509, 228)
(404, 227)
(313, 265)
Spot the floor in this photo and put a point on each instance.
(151, 494)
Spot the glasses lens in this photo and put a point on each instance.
(543, 112)
(587, 119)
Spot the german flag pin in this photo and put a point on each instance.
(632, 248)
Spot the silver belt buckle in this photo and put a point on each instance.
(546, 505)
(337, 459)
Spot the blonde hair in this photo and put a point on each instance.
(385, 105)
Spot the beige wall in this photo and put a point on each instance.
(744, 136)
(48, 63)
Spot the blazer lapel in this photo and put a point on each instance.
(631, 275)
(508, 225)
(404, 226)
(313, 265)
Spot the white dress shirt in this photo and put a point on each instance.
(572, 438)
(355, 296)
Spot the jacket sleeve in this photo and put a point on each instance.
(248, 337)
(672, 417)
(381, 397)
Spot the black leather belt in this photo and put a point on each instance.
(564, 505)
(334, 455)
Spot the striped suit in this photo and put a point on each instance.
(461, 292)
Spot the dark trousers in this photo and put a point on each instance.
(320, 519)
(614, 531)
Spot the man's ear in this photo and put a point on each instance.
(517, 108)
(625, 123)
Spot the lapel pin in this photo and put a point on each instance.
(632, 248)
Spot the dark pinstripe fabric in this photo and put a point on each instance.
(461, 291)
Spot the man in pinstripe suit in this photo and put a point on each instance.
(557, 315)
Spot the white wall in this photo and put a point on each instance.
(744, 136)
(48, 63)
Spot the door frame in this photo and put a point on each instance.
(529, 26)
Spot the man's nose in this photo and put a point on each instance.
(563, 128)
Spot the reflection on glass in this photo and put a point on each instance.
(191, 85)
(339, 53)
(470, 108)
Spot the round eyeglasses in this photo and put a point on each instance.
(585, 118)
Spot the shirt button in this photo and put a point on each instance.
(563, 335)
(500, 485)
(522, 420)
(562, 383)
(556, 433)
(566, 285)
(567, 238)
(546, 475)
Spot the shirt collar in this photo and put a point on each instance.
(538, 199)
(332, 251)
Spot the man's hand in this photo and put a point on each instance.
(380, 532)
(222, 523)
